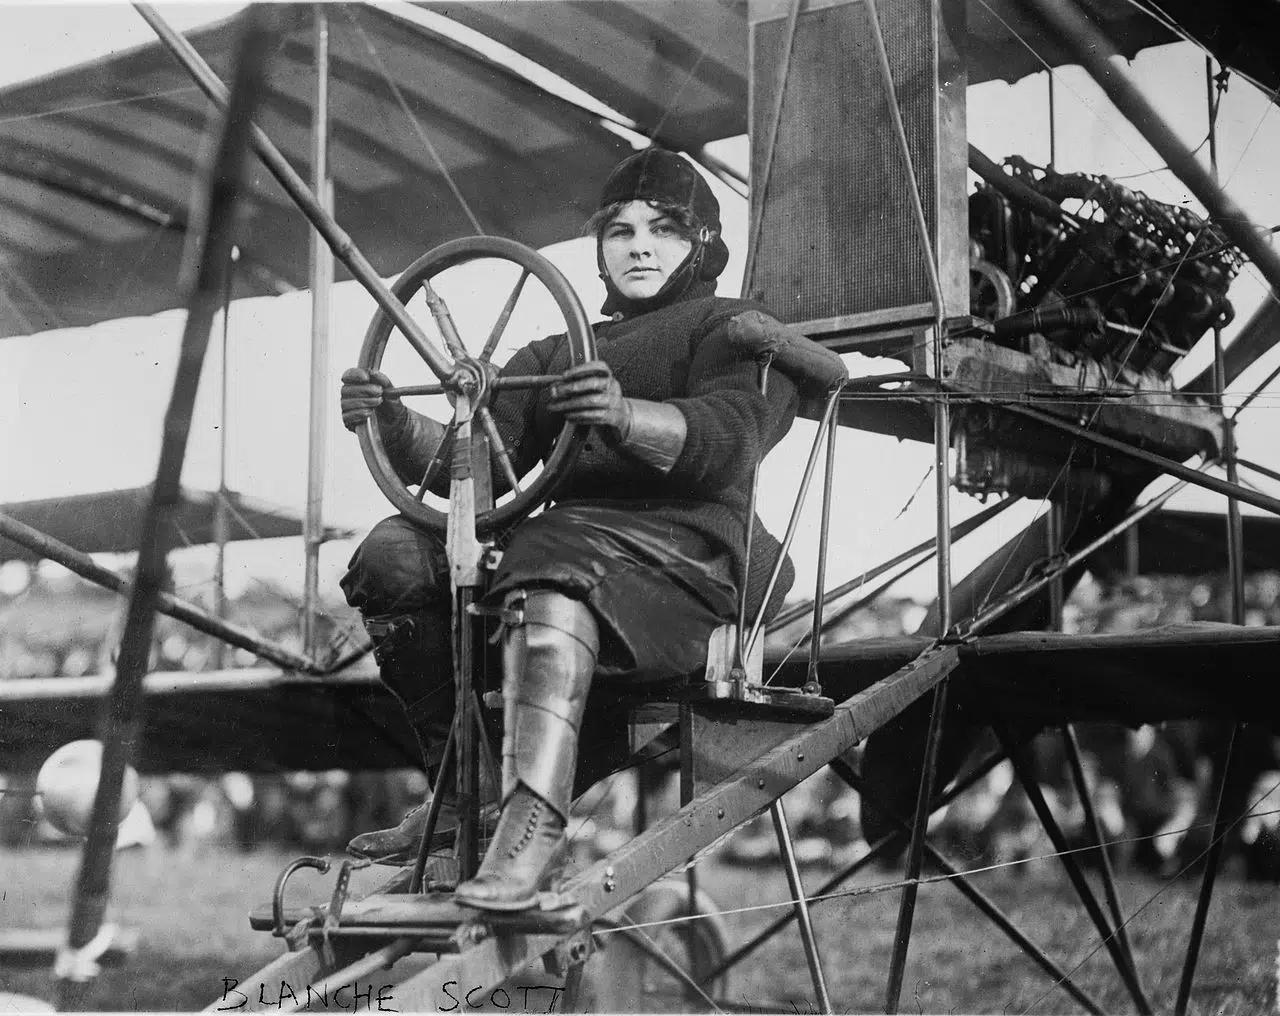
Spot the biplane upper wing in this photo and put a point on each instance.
(96, 162)
(97, 166)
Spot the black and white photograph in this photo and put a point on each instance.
(640, 506)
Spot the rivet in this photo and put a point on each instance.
(719, 813)
(800, 756)
(610, 885)
(608, 873)
(760, 783)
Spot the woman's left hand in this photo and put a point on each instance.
(590, 394)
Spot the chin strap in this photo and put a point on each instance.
(654, 433)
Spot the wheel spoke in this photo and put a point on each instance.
(499, 449)
(514, 381)
(500, 325)
(437, 461)
(444, 321)
(413, 390)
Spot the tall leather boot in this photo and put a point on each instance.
(548, 660)
(414, 663)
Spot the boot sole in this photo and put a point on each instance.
(498, 906)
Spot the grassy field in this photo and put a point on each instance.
(191, 907)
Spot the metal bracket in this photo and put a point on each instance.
(570, 954)
(337, 901)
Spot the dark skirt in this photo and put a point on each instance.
(657, 590)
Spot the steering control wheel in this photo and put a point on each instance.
(470, 383)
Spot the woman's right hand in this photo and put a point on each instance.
(363, 392)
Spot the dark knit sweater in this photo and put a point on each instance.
(678, 354)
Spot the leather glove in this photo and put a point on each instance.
(363, 393)
(590, 394)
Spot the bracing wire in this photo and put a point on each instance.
(413, 120)
(1048, 67)
(879, 888)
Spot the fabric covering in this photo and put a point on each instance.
(98, 161)
(657, 590)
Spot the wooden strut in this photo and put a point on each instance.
(121, 717)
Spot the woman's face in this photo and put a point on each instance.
(641, 247)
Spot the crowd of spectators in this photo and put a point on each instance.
(1150, 785)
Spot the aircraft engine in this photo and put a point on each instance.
(1083, 278)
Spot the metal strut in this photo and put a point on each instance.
(967, 889)
(1022, 767)
(807, 937)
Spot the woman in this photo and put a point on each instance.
(626, 576)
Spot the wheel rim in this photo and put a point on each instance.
(581, 343)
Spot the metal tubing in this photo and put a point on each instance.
(339, 242)
(1072, 746)
(121, 715)
(1094, 52)
(1022, 768)
(221, 520)
(1018, 191)
(1020, 594)
(942, 484)
(321, 271)
(1054, 532)
(166, 603)
(979, 899)
(960, 531)
(792, 524)
(1170, 466)
(1257, 468)
(1211, 864)
(794, 882)
(433, 809)
(824, 534)
(762, 375)
(882, 846)
(468, 844)
(915, 851)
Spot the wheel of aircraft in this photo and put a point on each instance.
(475, 377)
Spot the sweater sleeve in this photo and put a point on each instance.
(731, 425)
